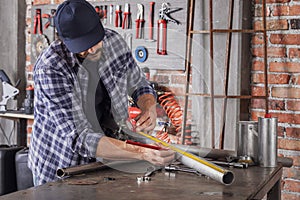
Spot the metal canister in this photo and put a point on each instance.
(247, 145)
(267, 136)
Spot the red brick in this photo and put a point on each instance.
(293, 132)
(258, 39)
(258, 66)
(178, 79)
(161, 79)
(272, 1)
(178, 91)
(29, 122)
(258, 91)
(273, 104)
(258, 103)
(289, 144)
(29, 130)
(295, 80)
(280, 131)
(256, 114)
(294, 52)
(41, 2)
(291, 173)
(272, 25)
(293, 105)
(292, 67)
(287, 118)
(272, 78)
(280, 10)
(271, 52)
(294, 10)
(286, 92)
(296, 160)
(276, 105)
(289, 39)
(292, 186)
(290, 196)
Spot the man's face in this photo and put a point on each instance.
(93, 53)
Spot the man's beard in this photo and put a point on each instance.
(95, 56)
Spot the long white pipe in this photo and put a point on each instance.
(201, 165)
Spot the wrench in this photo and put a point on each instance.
(176, 168)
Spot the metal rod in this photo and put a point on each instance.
(63, 172)
(229, 96)
(265, 56)
(188, 65)
(212, 100)
(227, 64)
(228, 31)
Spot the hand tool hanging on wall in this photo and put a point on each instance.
(111, 14)
(127, 17)
(105, 15)
(151, 20)
(39, 40)
(141, 54)
(118, 16)
(164, 17)
(50, 22)
(140, 22)
(38, 22)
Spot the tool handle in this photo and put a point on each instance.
(124, 21)
(143, 145)
(117, 19)
(151, 20)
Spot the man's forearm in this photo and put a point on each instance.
(113, 149)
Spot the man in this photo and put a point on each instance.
(88, 67)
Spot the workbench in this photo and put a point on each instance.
(120, 182)
(21, 118)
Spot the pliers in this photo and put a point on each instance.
(126, 21)
(140, 21)
(37, 22)
(50, 18)
(118, 15)
(166, 11)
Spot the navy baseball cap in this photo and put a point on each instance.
(78, 25)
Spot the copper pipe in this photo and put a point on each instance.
(227, 64)
(227, 31)
(69, 171)
(211, 51)
(188, 64)
(265, 55)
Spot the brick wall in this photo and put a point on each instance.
(283, 19)
(283, 78)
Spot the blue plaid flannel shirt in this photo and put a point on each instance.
(62, 136)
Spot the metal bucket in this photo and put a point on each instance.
(267, 148)
(247, 145)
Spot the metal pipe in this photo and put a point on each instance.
(227, 64)
(64, 172)
(206, 152)
(223, 176)
(267, 137)
(201, 165)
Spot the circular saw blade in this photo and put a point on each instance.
(39, 43)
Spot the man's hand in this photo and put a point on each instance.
(147, 119)
(158, 157)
